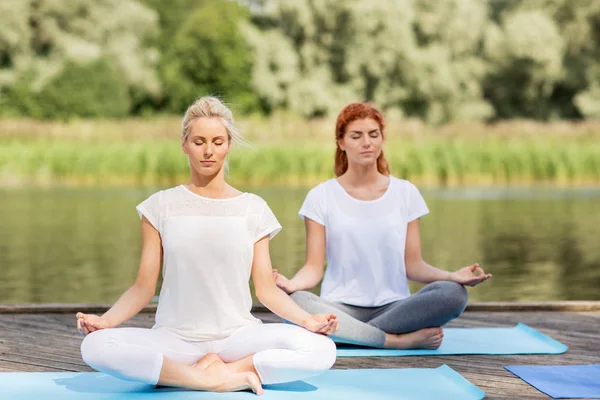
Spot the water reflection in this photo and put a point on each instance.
(83, 245)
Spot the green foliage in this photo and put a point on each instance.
(525, 64)
(433, 161)
(415, 58)
(440, 61)
(89, 91)
(18, 99)
(209, 55)
(436, 60)
(171, 15)
(40, 40)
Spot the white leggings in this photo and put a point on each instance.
(282, 352)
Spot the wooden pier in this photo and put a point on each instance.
(44, 338)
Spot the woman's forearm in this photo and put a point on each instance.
(307, 277)
(282, 305)
(128, 305)
(425, 273)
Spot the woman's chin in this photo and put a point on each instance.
(366, 161)
(207, 171)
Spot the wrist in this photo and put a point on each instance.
(108, 321)
(451, 276)
(293, 286)
(306, 320)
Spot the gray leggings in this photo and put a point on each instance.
(432, 306)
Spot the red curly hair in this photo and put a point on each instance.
(351, 113)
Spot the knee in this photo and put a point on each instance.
(454, 296)
(318, 352)
(323, 353)
(304, 299)
(94, 348)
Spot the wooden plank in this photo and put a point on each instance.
(62, 308)
(10, 366)
(568, 306)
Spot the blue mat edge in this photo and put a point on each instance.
(561, 348)
(445, 370)
(510, 368)
(450, 373)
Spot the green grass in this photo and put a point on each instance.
(427, 160)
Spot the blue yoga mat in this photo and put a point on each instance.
(519, 339)
(562, 381)
(428, 383)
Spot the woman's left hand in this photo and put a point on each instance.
(322, 323)
(466, 276)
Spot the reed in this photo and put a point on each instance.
(431, 160)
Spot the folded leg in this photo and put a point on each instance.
(281, 352)
(351, 320)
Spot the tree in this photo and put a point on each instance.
(40, 39)
(525, 55)
(410, 57)
(572, 37)
(90, 91)
(210, 55)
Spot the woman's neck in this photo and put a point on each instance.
(361, 175)
(209, 185)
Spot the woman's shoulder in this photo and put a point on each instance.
(167, 197)
(402, 184)
(255, 203)
(403, 188)
(253, 198)
(167, 194)
(322, 187)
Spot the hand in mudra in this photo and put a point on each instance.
(322, 323)
(88, 323)
(471, 275)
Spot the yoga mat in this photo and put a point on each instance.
(384, 384)
(519, 339)
(562, 381)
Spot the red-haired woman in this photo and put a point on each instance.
(367, 222)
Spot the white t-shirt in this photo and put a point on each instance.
(365, 241)
(208, 247)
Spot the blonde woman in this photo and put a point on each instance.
(211, 238)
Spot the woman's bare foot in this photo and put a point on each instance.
(207, 360)
(243, 365)
(427, 338)
(215, 370)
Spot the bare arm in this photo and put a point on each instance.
(138, 295)
(311, 273)
(278, 301)
(419, 271)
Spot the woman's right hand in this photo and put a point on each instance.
(326, 324)
(283, 283)
(88, 323)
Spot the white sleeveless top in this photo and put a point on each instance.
(208, 247)
(365, 241)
